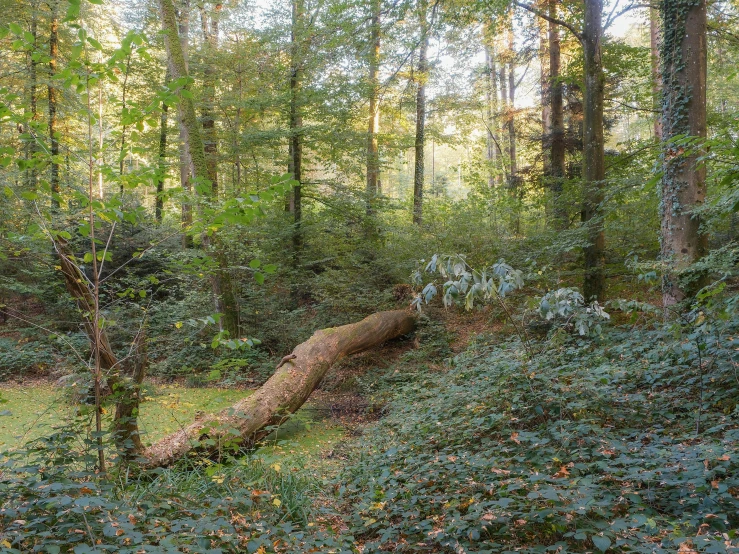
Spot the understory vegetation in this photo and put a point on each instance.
(365, 276)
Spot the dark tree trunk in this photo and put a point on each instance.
(31, 149)
(557, 152)
(295, 163)
(182, 16)
(209, 26)
(53, 133)
(162, 174)
(684, 67)
(420, 144)
(253, 418)
(593, 153)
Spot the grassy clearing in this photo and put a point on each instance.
(33, 410)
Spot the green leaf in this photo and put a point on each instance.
(15, 29)
(601, 543)
(255, 264)
(95, 44)
(88, 257)
(270, 268)
(259, 278)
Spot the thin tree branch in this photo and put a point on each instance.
(571, 28)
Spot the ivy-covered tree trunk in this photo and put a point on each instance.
(420, 143)
(283, 394)
(593, 152)
(684, 66)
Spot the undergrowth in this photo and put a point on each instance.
(590, 445)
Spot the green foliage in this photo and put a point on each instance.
(588, 445)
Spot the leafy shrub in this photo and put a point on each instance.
(586, 447)
(19, 359)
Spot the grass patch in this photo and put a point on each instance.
(32, 411)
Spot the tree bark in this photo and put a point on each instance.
(223, 296)
(53, 136)
(126, 390)
(162, 173)
(373, 158)
(420, 144)
(31, 148)
(557, 152)
(183, 28)
(684, 67)
(209, 26)
(491, 107)
(252, 418)
(295, 162)
(593, 153)
(656, 75)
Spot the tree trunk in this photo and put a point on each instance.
(593, 154)
(510, 120)
(546, 97)
(121, 155)
(491, 106)
(503, 76)
(53, 138)
(223, 296)
(418, 175)
(656, 76)
(373, 159)
(31, 148)
(210, 139)
(684, 66)
(183, 19)
(125, 390)
(557, 152)
(295, 162)
(162, 173)
(252, 418)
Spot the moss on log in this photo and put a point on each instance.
(252, 418)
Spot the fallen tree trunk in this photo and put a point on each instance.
(297, 375)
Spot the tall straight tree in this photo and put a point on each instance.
(183, 27)
(684, 67)
(52, 93)
(373, 157)
(594, 168)
(421, 79)
(295, 161)
(209, 22)
(557, 129)
(491, 104)
(223, 296)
